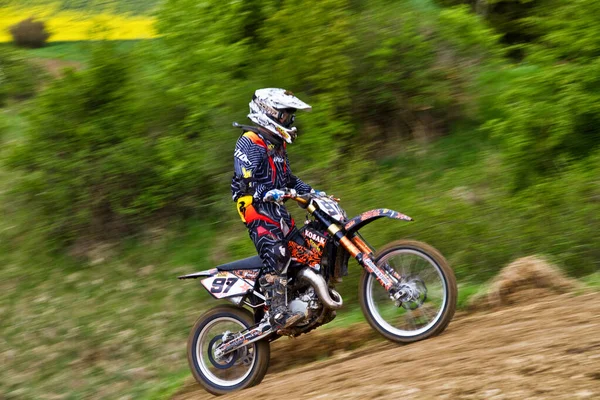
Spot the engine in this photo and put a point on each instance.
(307, 303)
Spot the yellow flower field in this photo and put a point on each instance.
(75, 25)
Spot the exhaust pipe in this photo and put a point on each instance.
(318, 283)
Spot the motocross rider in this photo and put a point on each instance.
(262, 173)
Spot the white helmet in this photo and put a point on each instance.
(274, 109)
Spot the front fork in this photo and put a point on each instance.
(387, 277)
(402, 292)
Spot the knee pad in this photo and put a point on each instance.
(281, 255)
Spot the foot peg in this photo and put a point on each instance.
(290, 321)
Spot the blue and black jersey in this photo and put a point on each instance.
(261, 166)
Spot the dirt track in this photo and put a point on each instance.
(543, 349)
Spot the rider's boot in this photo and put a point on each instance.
(280, 315)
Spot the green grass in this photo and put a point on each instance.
(347, 316)
(592, 280)
(168, 387)
(465, 292)
(114, 326)
(13, 122)
(118, 6)
(65, 51)
(78, 51)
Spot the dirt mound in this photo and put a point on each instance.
(525, 278)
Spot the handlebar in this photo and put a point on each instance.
(300, 198)
(304, 199)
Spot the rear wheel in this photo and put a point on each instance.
(238, 370)
(430, 293)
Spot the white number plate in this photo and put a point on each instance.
(225, 284)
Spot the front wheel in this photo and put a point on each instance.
(429, 293)
(242, 368)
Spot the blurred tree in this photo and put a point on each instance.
(551, 116)
(29, 33)
(416, 72)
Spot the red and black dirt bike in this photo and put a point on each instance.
(407, 293)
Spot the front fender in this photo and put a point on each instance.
(367, 217)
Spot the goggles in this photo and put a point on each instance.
(286, 117)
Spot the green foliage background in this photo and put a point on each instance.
(481, 124)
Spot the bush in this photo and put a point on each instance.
(18, 77)
(29, 33)
(104, 153)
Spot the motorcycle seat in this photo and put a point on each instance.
(254, 262)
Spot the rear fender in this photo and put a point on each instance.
(232, 286)
(367, 217)
(209, 272)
